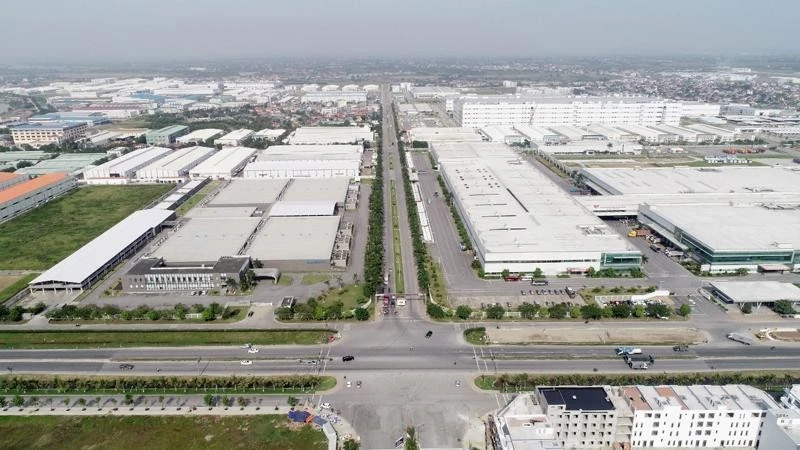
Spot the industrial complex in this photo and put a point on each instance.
(520, 221)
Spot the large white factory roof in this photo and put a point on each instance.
(175, 164)
(703, 128)
(330, 135)
(243, 192)
(734, 228)
(127, 163)
(302, 208)
(223, 162)
(296, 238)
(757, 291)
(534, 133)
(317, 189)
(88, 259)
(200, 135)
(228, 211)
(306, 151)
(206, 240)
(514, 208)
(499, 133)
(269, 133)
(298, 164)
(237, 135)
(641, 130)
(689, 180)
(445, 134)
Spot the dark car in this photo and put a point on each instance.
(429, 334)
(348, 358)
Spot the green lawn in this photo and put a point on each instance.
(314, 278)
(46, 235)
(152, 432)
(89, 339)
(197, 198)
(399, 280)
(349, 295)
(285, 280)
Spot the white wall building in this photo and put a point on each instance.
(199, 136)
(223, 164)
(121, 170)
(175, 166)
(303, 168)
(234, 138)
(334, 96)
(330, 135)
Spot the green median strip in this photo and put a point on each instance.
(399, 282)
(107, 339)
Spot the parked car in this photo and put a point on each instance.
(325, 405)
(680, 348)
(358, 384)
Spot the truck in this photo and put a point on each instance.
(639, 358)
(641, 232)
(570, 292)
(638, 365)
(671, 252)
(621, 351)
(741, 338)
(511, 278)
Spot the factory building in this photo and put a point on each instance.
(304, 168)
(21, 194)
(167, 135)
(175, 166)
(330, 135)
(153, 275)
(334, 96)
(224, 164)
(199, 136)
(91, 262)
(296, 244)
(37, 134)
(234, 138)
(121, 170)
(519, 220)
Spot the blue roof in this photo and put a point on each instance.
(46, 126)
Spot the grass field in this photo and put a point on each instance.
(314, 278)
(197, 198)
(399, 280)
(349, 295)
(103, 339)
(46, 235)
(9, 288)
(152, 432)
(285, 280)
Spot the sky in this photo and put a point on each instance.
(173, 30)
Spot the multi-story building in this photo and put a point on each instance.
(153, 275)
(584, 417)
(52, 133)
(479, 111)
(166, 135)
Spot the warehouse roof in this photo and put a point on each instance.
(200, 135)
(224, 161)
(179, 159)
(249, 192)
(330, 135)
(734, 228)
(514, 208)
(269, 133)
(304, 164)
(168, 130)
(445, 134)
(756, 291)
(26, 187)
(206, 240)
(129, 161)
(65, 162)
(301, 209)
(230, 211)
(303, 150)
(296, 238)
(317, 189)
(47, 126)
(7, 176)
(90, 258)
(239, 134)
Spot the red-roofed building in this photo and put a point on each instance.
(21, 197)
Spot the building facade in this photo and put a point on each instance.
(167, 135)
(153, 275)
(21, 197)
(52, 133)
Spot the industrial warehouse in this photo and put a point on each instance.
(175, 166)
(20, 193)
(122, 170)
(519, 220)
(306, 161)
(224, 164)
(330, 135)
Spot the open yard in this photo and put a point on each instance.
(595, 335)
(197, 198)
(46, 235)
(103, 339)
(314, 278)
(348, 295)
(206, 432)
(10, 285)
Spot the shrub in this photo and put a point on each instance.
(495, 312)
(362, 314)
(463, 312)
(435, 311)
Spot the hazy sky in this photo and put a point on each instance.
(119, 30)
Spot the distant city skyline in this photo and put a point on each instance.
(172, 30)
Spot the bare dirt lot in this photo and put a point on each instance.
(7, 280)
(786, 335)
(595, 335)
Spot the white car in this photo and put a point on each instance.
(252, 350)
(245, 346)
(349, 384)
(246, 362)
(325, 405)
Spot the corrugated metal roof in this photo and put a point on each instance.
(78, 266)
(291, 209)
(24, 188)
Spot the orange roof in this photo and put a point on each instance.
(24, 188)
(5, 176)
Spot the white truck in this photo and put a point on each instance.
(622, 351)
(638, 365)
(741, 338)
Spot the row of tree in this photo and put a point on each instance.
(462, 230)
(82, 384)
(314, 309)
(414, 225)
(142, 312)
(527, 381)
(373, 259)
(562, 311)
(15, 313)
